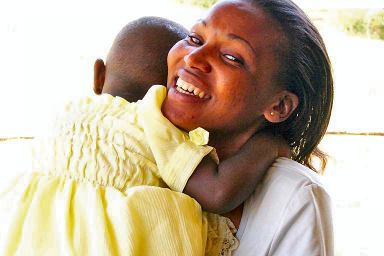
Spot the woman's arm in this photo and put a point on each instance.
(221, 188)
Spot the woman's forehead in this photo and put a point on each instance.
(241, 19)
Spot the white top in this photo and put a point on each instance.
(288, 214)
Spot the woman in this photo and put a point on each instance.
(263, 65)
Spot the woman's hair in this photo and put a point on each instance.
(307, 72)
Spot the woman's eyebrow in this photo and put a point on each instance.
(233, 36)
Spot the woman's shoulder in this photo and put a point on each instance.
(293, 172)
(291, 198)
(288, 182)
(285, 181)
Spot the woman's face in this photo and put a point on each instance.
(221, 77)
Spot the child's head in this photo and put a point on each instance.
(138, 58)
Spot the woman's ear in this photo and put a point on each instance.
(282, 107)
(98, 76)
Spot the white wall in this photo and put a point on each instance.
(47, 51)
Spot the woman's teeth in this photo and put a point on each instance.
(189, 89)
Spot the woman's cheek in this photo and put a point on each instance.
(178, 48)
(173, 52)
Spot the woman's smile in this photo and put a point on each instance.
(190, 89)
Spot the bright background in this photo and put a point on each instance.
(47, 51)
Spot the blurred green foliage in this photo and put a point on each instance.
(200, 3)
(362, 22)
(376, 25)
(367, 23)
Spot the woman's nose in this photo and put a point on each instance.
(198, 59)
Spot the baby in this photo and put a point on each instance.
(99, 185)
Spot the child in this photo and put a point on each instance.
(100, 178)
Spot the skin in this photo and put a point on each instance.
(232, 57)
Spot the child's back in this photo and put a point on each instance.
(87, 198)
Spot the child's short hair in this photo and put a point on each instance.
(138, 56)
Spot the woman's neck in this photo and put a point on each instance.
(227, 144)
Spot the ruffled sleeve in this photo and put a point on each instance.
(176, 155)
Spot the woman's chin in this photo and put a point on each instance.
(186, 126)
(178, 118)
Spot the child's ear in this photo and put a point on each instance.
(98, 76)
(282, 107)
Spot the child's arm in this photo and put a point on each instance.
(221, 188)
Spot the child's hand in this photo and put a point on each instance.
(284, 150)
(275, 145)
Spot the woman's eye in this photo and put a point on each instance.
(232, 58)
(194, 40)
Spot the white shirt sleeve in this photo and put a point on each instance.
(288, 215)
(306, 227)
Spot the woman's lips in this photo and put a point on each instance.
(189, 89)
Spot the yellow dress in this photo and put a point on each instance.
(107, 180)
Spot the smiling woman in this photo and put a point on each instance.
(263, 65)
